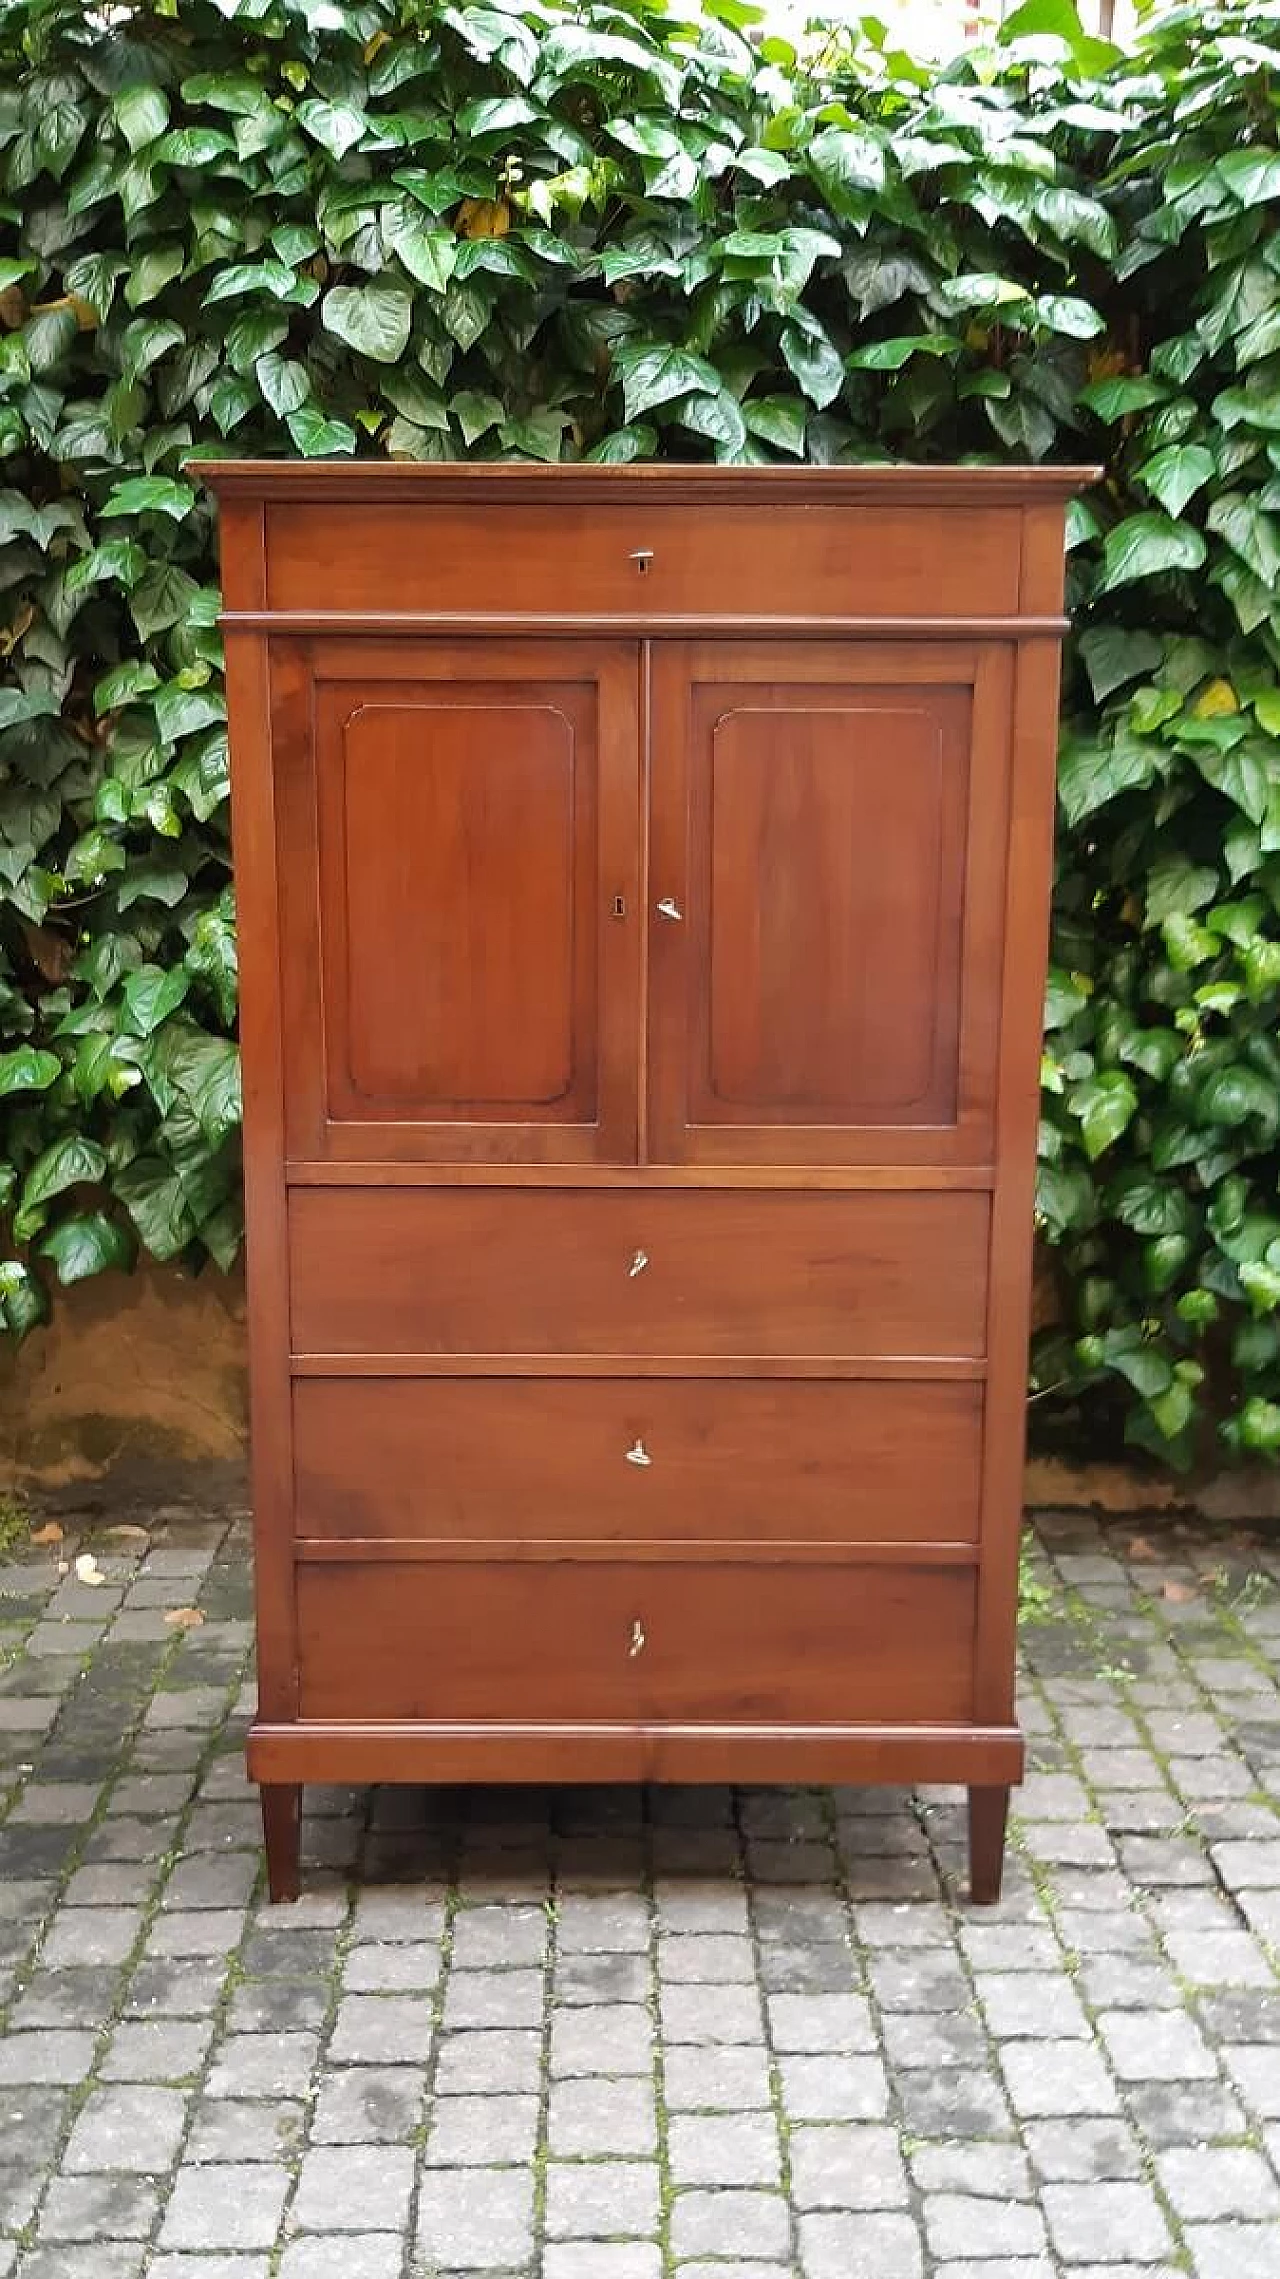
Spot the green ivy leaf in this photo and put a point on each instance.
(1105, 1105)
(151, 494)
(142, 112)
(70, 1161)
(318, 437)
(28, 1070)
(1174, 475)
(654, 373)
(428, 249)
(372, 319)
(1145, 546)
(150, 995)
(87, 1245)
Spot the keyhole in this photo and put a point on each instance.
(619, 906)
(642, 558)
(638, 1640)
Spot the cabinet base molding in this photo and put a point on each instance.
(984, 1756)
(986, 1759)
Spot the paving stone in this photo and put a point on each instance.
(98, 2208)
(48, 2056)
(1218, 2182)
(133, 2130)
(371, 2255)
(382, 2029)
(621, 2259)
(1054, 2078)
(470, 2064)
(842, 2166)
(615, 2039)
(1185, 2112)
(354, 2188)
(157, 2050)
(209, 2267)
(236, 2206)
(729, 2224)
(723, 2149)
(492, 1998)
(1161, 2045)
(105, 2259)
(1078, 2151)
(584, 1978)
(263, 2065)
(917, 2038)
(710, 2014)
(959, 2224)
(589, 2116)
(474, 2219)
(1256, 2074)
(226, 2130)
(599, 2199)
(1050, 2012)
(834, 2088)
(1118, 2221)
(411, 1967)
(601, 1923)
(92, 1934)
(955, 2105)
(860, 2247)
(1232, 2251)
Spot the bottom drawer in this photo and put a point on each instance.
(636, 1641)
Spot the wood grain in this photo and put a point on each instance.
(553, 1271)
(635, 1643)
(647, 1458)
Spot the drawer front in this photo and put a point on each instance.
(713, 560)
(636, 1643)
(649, 1459)
(638, 1273)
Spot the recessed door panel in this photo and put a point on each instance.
(828, 831)
(462, 827)
(459, 848)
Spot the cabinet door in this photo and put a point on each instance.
(458, 849)
(826, 901)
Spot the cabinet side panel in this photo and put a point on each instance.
(254, 850)
(1029, 878)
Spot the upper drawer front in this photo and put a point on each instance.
(638, 558)
(639, 1273)
(639, 1459)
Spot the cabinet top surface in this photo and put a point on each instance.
(409, 482)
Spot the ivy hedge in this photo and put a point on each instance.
(618, 230)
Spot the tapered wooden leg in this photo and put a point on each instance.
(988, 1817)
(282, 1834)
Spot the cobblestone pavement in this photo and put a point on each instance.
(615, 2035)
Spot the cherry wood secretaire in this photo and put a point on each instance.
(643, 879)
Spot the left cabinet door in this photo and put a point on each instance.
(458, 848)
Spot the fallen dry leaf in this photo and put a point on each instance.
(64, 1566)
(184, 1618)
(1142, 1548)
(49, 1533)
(127, 1534)
(1179, 1593)
(88, 1570)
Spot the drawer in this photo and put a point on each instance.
(637, 1273)
(580, 560)
(635, 1642)
(647, 1459)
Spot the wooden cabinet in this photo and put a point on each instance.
(643, 882)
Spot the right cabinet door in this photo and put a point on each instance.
(827, 871)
